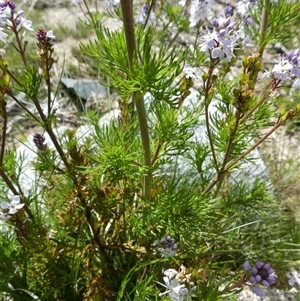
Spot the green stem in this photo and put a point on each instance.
(263, 28)
(142, 117)
(207, 86)
(138, 98)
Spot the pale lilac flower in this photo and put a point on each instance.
(13, 206)
(26, 24)
(294, 277)
(228, 11)
(192, 72)
(8, 16)
(112, 3)
(294, 57)
(7, 9)
(282, 70)
(142, 16)
(222, 41)
(288, 68)
(200, 10)
(3, 35)
(175, 290)
(261, 274)
(244, 7)
(295, 85)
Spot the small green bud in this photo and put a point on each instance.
(205, 77)
(4, 81)
(245, 62)
(285, 117)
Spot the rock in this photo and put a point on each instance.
(81, 89)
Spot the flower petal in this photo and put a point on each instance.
(258, 291)
(247, 266)
(5, 205)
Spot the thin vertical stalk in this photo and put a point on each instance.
(263, 28)
(138, 98)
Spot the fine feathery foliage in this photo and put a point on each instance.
(165, 197)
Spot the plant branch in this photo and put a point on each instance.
(9, 92)
(244, 154)
(156, 153)
(263, 99)
(228, 151)
(4, 128)
(207, 88)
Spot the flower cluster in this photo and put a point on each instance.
(10, 208)
(176, 289)
(45, 37)
(200, 10)
(288, 68)
(222, 41)
(11, 19)
(166, 246)
(38, 140)
(260, 274)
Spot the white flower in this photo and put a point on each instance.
(182, 2)
(13, 206)
(112, 3)
(244, 7)
(295, 85)
(294, 277)
(3, 35)
(200, 10)
(176, 291)
(50, 35)
(282, 70)
(192, 72)
(75, 2)
(6, 12)
(26, 24)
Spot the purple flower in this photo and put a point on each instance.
(261, 274)
(38, 140)
(169, 242)
(228, 11)
(45, 36)
(166, 246)
(8, 7)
